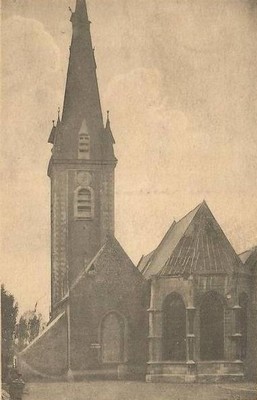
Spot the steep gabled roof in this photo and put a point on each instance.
(194, 245)
(111, 248)
(167, 245)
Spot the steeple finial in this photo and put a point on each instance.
(108, 127)
(80, 14)
(108, 124)
(58, 119)
(52, 134)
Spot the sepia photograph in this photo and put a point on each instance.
(128, 199)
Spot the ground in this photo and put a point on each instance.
(108, 390)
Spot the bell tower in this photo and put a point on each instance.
(81, 168)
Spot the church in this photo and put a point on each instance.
(186, 313)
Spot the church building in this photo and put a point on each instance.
(185, 313)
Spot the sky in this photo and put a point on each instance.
(180, 80)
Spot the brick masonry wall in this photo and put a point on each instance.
(116, 286)
(58, 233)
(251, 361)
(76, 241)
(83, 234)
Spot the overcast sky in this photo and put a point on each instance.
(180, 80)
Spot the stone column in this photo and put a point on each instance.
(190, 334)
(190, 337)
(155, 323)
(155, 335)
(69, 371)
(237, 335)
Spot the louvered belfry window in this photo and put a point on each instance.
(84, 146)
(84, 203)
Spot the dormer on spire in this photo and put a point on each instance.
(84, 142)
(82, 100)
(82, 107)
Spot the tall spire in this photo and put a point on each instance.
(81, 101)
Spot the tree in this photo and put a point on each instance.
(9, 311)
(28, 328)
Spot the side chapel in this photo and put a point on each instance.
(186, 313)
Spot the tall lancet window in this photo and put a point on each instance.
(84, 203)
(84, 142)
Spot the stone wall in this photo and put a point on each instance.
(46, 356)
(192, 291)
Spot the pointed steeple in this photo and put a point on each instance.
(82, 100)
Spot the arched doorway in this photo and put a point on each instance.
(243, 302)
(112, 339)
(174, 328)
(212, 327)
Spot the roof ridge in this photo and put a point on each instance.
(225, 236)
(196, 209)
(175, 227)
(85, 269)
(205, 218)
(135, 267)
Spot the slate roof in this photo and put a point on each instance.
(246, 254)
(194, 245)
(145, 260)
(249, 257)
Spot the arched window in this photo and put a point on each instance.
(174, 328)
(211, 327)
(243, 302)
(84, 146)
(84, 203)
(112, 339)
